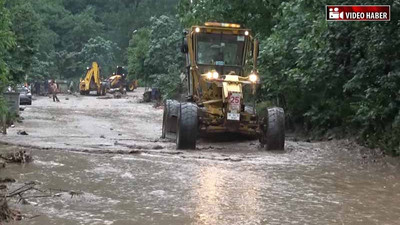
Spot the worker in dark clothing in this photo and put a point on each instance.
(37, 88)
(46, 87)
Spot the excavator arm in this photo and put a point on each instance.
(91, 81)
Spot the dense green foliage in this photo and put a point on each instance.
(342, 75)
(335, 74)
(326, 75)
(60, 38)
(7, 41)
(155, 56)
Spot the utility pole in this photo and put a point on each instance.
(4, 123)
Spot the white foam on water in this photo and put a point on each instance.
(127, 175)
(48, 163)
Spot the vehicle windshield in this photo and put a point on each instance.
(220, 49)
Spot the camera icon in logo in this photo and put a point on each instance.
(334, 14)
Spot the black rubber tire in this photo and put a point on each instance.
(275, 135)
(85, 92)
(187, 126)
(147, 96)
(130, 87)
(99, 92)
(170, 116)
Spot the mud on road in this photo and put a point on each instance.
(109, 149)
(88, 123)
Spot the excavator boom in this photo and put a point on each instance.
(92, 81)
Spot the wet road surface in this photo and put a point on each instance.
(312, 186)
(109, 150)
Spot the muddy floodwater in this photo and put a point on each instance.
(109, 153)
(307, 185)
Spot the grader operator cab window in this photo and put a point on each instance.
(220, 49)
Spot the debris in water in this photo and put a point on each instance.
(75, 193)
(104, 97)
(7, 180)
(158, 147)
(17, 157)
(117, 95)
(102, 136)
(22, 132)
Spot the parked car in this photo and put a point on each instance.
(25, 96)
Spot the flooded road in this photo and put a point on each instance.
(307, 184)
(109, 152)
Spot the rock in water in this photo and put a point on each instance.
(22, 132)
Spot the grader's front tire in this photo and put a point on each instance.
(170, 116)
(275, 132)
(187, 126)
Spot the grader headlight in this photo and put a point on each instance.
(212, 75)
(253, 78)
(215, 75)
(209, 75)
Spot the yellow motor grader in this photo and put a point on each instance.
(92, 81)
(221, 61)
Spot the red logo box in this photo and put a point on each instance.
(358, 12)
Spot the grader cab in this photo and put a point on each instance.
(221, 61)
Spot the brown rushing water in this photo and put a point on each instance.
(306, 185)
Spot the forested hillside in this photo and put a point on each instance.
(60, 38)
(326, 75)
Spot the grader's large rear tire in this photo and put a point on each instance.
(274, 134)
(170, 116)
(187, 125)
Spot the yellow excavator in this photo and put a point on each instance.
(92, 81)
(118, 81)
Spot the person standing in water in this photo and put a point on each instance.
(54, 90)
